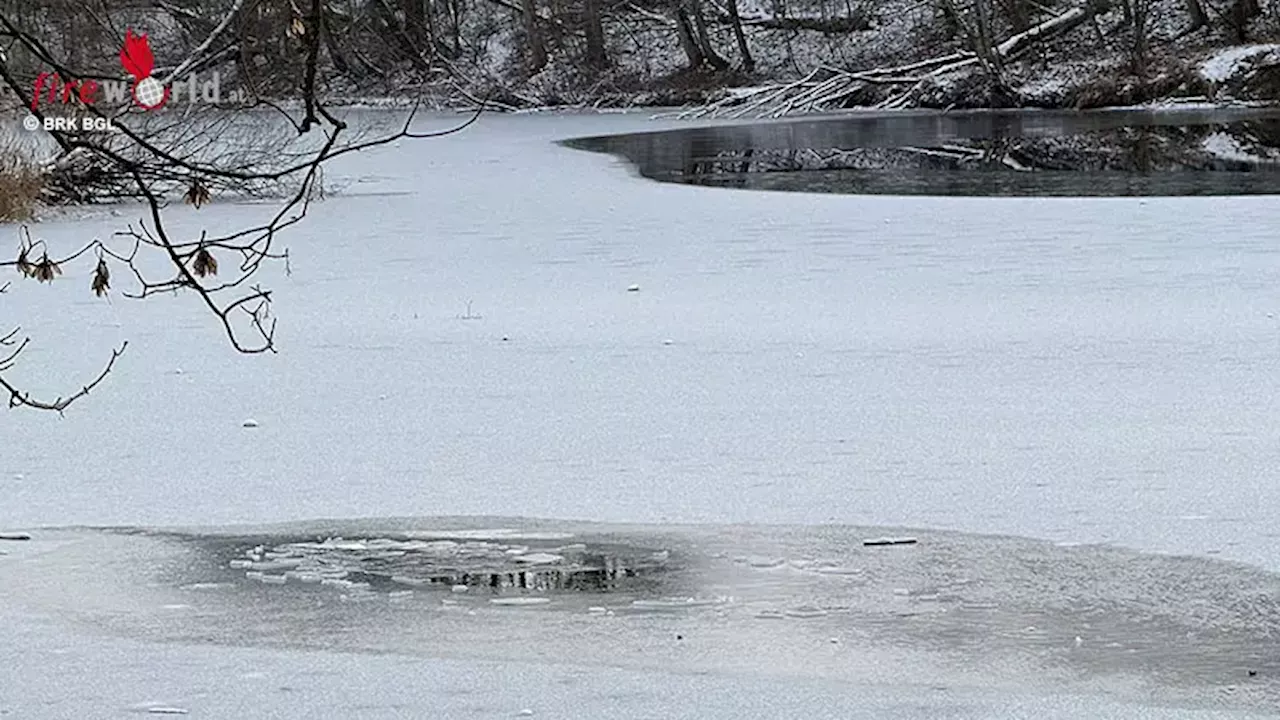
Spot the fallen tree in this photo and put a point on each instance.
(828, 88)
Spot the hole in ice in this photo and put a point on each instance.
(497, 562)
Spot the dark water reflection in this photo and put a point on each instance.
(1024, 153)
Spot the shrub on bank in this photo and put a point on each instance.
(20, 186)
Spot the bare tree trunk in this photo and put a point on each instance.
(1139, 12)
(748, 62)
(455, 16)
(945, 12)
(336, 55)
(984, 43)
(399, 31)
(593, 26)
(533, 36)
(1198, 17)
(684, 30)
(414, 22)
(704, 38)
(1018, 13)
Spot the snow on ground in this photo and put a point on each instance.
(1225, 146)
(1227, 63)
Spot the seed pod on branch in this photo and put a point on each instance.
(204, 264)
(197, 194)
(101, 278)
(24, 263)
(46, 270)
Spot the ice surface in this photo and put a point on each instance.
(1082, 371)
(1070, 634)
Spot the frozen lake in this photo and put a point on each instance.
(1069, 370)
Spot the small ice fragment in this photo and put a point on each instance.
(521, 601)
(273, 579)
(178, 606)
(538, 559)
(400, 594)
(250, 423)
(240, 564)
(840, 571)
(901, 592)
(806, 611)
(633, 288)
(459, 588)
(889, 541)
(1079, 641)
(764, 562)
(597, 610)
(675, 603)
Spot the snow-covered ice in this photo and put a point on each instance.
(1083, 371)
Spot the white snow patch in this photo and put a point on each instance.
(539, 559)
(1227, 147)
(520, 601)
(1041, 87)
(1227, 63)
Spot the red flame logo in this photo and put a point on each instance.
(136, 55)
